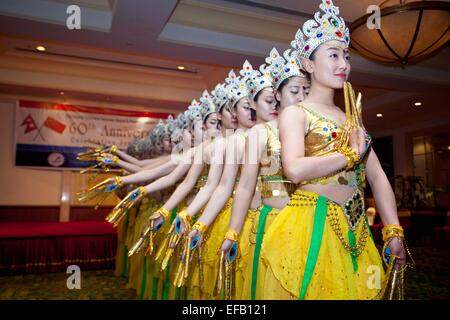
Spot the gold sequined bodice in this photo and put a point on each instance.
(320, 137)
(271, 179)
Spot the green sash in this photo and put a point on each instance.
(320, 214)
(259, 237)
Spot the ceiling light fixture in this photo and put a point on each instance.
(418, 104)
(40, 48)
(181, 67)
(409, 31)
(379, 115)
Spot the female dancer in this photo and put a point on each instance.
(200, 180)
(262, 169)
(318, 247)
(171, 171)
(201, 284)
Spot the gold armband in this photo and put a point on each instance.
(392, 230)
(232, 235)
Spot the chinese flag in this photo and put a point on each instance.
(55, 125)
(29, 123)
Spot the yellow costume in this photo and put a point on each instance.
(210, 249)
(156, 283)
(165, 278)
(138, 225)
(271, 183)
(316, 248)
(210, 258)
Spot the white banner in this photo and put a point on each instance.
(51, 135)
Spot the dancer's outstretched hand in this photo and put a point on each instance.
(126, 204)
(398, 250)
(226, 246)
(196, 238)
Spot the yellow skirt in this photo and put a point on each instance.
(125, 236)
(121, 255)
(249, 267)
(137, 261)
(157, 284)
(210, 258)
(287, 252)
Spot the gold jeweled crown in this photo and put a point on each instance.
(259, 80)
(177, 126)
(193, 112)
(237, 86)
(323, 28)
(159, 129)
(169, 126)
(282, 67)
(207, 104)
(181, 122)
(220, 95)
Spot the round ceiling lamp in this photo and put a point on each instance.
(409, 31)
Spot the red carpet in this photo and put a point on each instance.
(50, 246)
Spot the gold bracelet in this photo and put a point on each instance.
(200, 227)
(392, 230)
(232, 235)
(115, 160)
(113, 149)
(350, 155)
(185, 216)
(163, 212)
(119, 181)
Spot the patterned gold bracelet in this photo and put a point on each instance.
(232, 235)
(200, 227)
(392, 230)
(113, 149)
